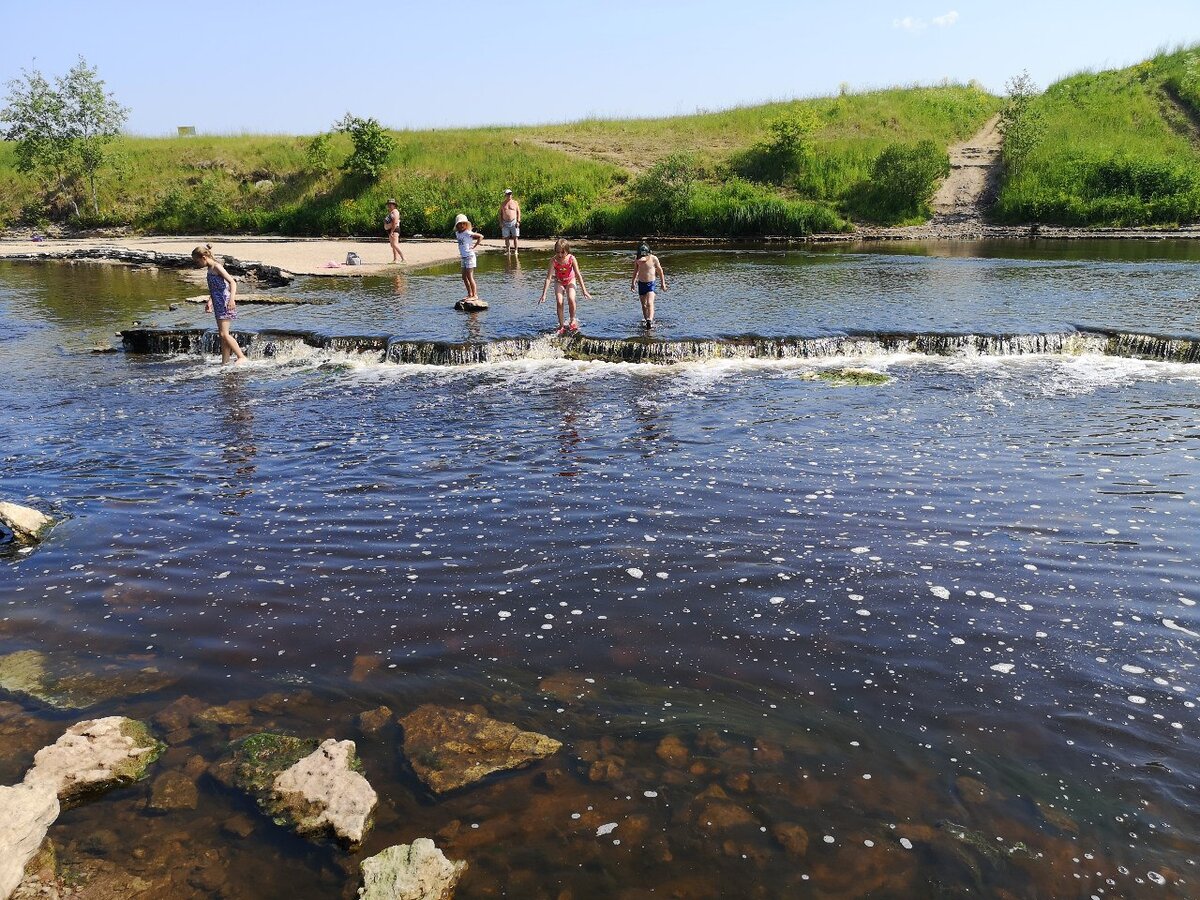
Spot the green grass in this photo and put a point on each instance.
(578, 178)
(1120, 148)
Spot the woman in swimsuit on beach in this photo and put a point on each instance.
(563, 270)
(222, 302)
(392, 226)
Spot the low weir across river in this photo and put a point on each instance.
(394, 349)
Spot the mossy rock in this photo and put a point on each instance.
(141, 735)
(259, 758)
(848, 377)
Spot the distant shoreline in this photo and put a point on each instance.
(277, 259)
(281, 257)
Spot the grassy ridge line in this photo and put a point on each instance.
(1121, 148)
(574, 178)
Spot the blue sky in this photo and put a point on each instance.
(268, 66)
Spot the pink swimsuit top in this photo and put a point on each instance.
(565, 271)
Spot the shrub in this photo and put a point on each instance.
(784, 153)
(372, 146)
(666, 189)
(1121, 175)
(546, 220)
(319, 155)
(903, 179)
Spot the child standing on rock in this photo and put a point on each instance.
(468, 240)
(564, 269)
(222, 302)
(648, 277)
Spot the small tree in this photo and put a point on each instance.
(1021, 122)
(94, 120)
(319, 155)
(37, 125)
(63, 131)
(372, 146)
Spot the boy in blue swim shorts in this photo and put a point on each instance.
(648, 279)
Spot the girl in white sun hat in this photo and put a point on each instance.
(468, 240)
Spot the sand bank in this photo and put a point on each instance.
(300, 256)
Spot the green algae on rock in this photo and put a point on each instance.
(259, 758)
(450, 749)
(848, 377)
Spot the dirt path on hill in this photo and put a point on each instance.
(974, 167)
(1180, 115)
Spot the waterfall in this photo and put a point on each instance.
(283, 345)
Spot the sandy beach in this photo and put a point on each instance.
(300, 256)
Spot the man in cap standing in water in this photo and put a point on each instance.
(510, 220)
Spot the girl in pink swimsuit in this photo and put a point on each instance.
(563, 271)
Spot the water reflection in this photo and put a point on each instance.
(235, 418)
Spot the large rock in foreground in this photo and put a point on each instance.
(64, 682)
(94, 756)
(90, 757)
(28, 525)
(324, 794)
(28, 813)
(450, 749)
(315, 790)
(416, 871)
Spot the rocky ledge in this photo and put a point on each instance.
(260, 273)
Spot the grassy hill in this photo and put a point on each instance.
(1119, 147)
(780, 168)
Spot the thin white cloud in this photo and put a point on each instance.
(913, 25)
(909, 24)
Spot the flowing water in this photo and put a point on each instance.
(800, 636)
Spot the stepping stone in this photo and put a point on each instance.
(471, 305)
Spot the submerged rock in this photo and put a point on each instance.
(449, 748)
(28, 525)
(325, 794)
(29, 811)
(374, 720)
(172, 791)
(63, 682)
(94, 756)
(848, 377)
(416, 871)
